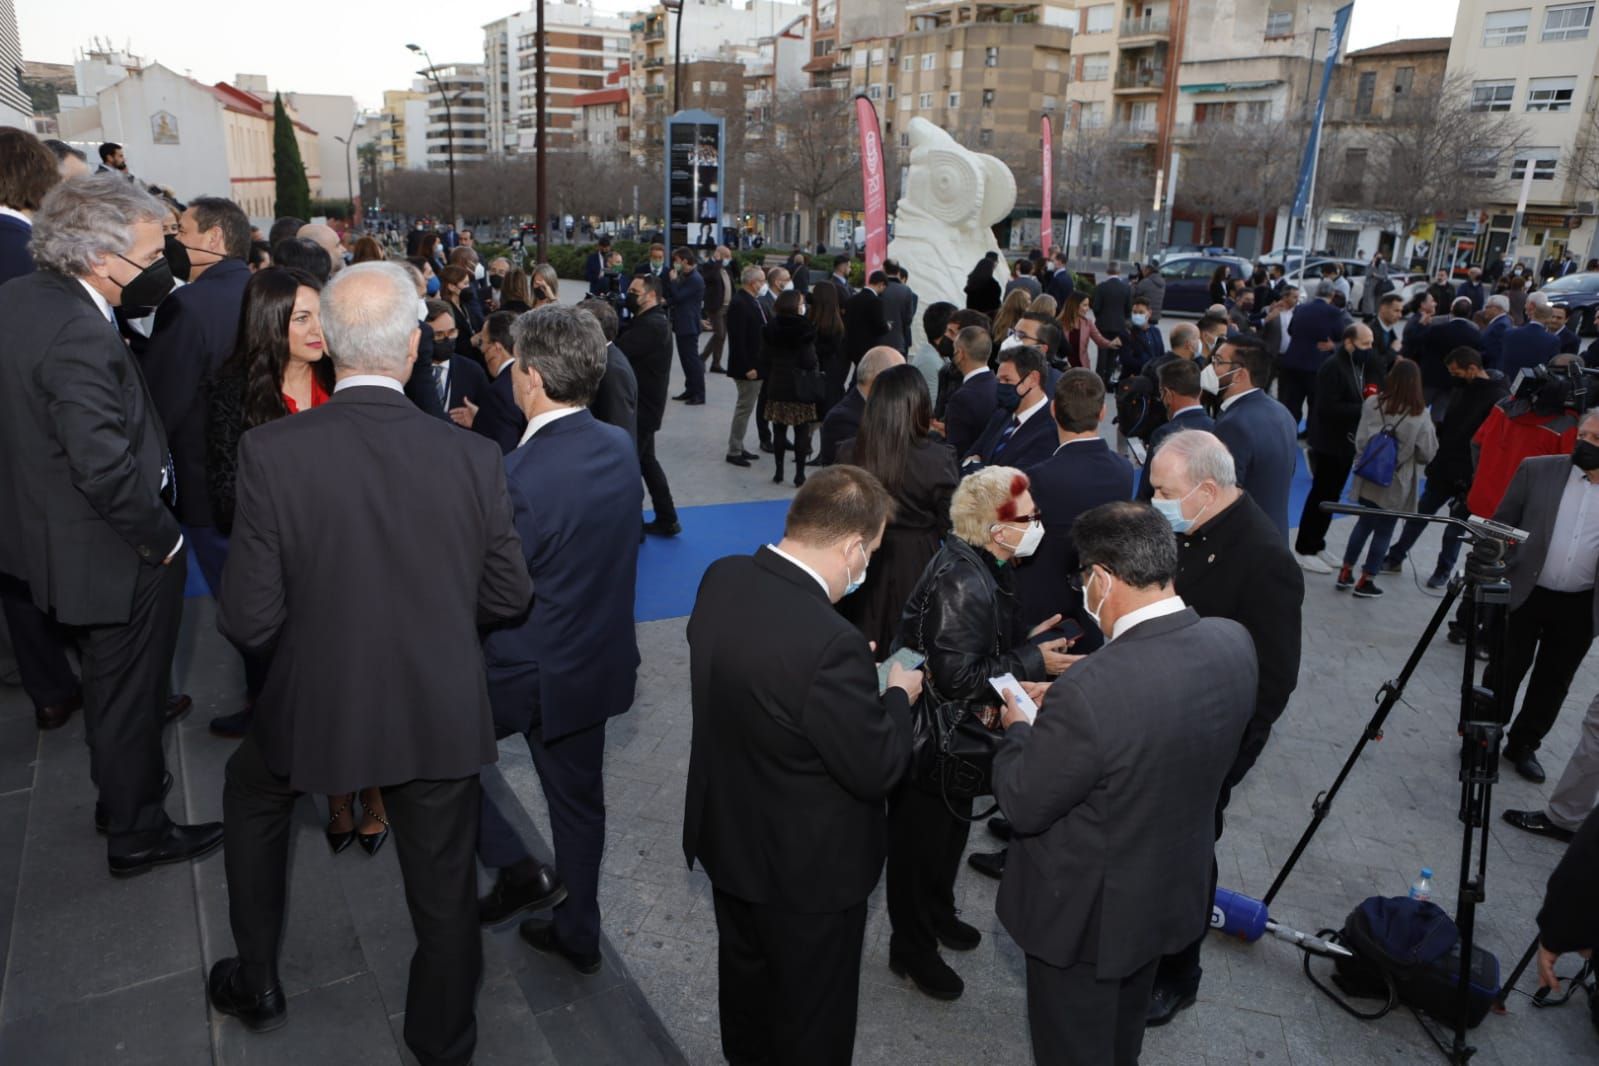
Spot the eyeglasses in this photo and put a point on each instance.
(1079, 579)
(1026, 519)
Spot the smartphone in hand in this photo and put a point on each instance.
(1067, 630)
(907, 658)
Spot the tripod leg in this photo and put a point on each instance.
(1515, 975)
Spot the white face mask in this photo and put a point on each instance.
(766, 290)
(1031, 536)
(851, 584)
(787, 285)
(421, 309)
(1093, 612)
(1013, 341)
(1209, 381)
(478, 272)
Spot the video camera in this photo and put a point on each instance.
(1551, 389)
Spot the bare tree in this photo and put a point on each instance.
(417, 192)
(1099, 177)
(1583, 166)
(811, 147)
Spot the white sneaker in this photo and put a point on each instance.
(1333, 561)
(1311, 564)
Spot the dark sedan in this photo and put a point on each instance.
(1579, 295)
(1188, 280)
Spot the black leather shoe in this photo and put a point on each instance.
(233, 726)
(957, 935)
(932, 977)
(738, 460)
(1526, 764)
(751, 456)
(766, 446)
(510, 897)
(540, 935)
(988, 863)
(259, 1011)
(697, 401)
(1166, 1003)
(681, 396)
(179, 844)
(658, 528)
(999, 825)
(100, 823)
(178, 705)
(1537, 822)
(56, 715)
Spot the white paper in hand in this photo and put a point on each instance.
(1007, 683)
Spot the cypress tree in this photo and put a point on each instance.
(293, 188)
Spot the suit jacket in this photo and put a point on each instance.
(899, 308)
(1568, 920)
(1112, 795)
(15, 259)
(1531, 503)
(196, 328)
(615, 402)
(745, 320)
(842, 423)
(576, 496)
(1030, 445)
(1432, 345)
(794, 752)
(594, 271)
(1569, 341)
(970, 407)
(685, 298)
(1187, 418)
(1080, 475)
(1525, 347)
(501, 418)
(1271, 335)
(866, 324)
(1313, 321)
(647, 343)
(1383, 339)
(419, 387)
(467, 381)
(315, 559)
(1262, 436)
(1112, 304)
(1335, 411)
(81, 455)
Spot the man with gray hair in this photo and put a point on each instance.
(86, 486)
(1497, 313)
(560, 673)
(844, 420)
(746, 318)
(365, 579)
(1231, 563)
(1313, 336)
(615, 402)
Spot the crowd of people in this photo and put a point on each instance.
(976, 592)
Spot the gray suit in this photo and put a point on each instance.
(1113, 795)
(899, 307)
(1531, 503)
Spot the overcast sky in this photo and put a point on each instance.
(357, 47)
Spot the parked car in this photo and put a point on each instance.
(1289, 258)
(1579, 295)
(1306, 277)
(1188, 280)
(1174, 250)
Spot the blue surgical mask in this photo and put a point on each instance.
(433, 286)
(853, 585)
(1172, 511)
(1140, 320)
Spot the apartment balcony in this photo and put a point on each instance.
(654, 62)
(1141, 80)
(654, 90)
(1146, 26)
(655, 32)
(1139, 134)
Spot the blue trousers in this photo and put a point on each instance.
(1379, 529)
(1432, 498)
(210, 550)
(688, 354)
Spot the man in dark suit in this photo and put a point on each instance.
(1386, 340)
(799, 269)
(843, 421)
(840, 277)
(365, 581)
(1110, 791)
(1334, 417)
(719, 286)
(85, 486)
(496, 416)
(1258, 431)
(789, 730)
(685, 298)
(973, 401)
(899, 308)
(648, 347)
(746, 318)
(457, 379)
(1179, 395)
(1531, 345)
(1313, 334)
(1559, 325)
(1020, 432)
(1554, 613)
(615, 402)
(1232, 563)
(866, 322)
(1431, 350)
(559, 674)
(1112, 302)
(195, 330)
(595, 266)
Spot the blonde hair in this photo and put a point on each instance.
(1011, 312)
(1043, 304)
(984, 498)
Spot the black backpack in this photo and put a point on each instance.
(1139, 411)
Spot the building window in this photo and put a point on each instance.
(1096, 67)
(1258, 111)
(718, 88)
(988, 97)
(891, 90)
(1094, 116)
(1545, 161)
(991, 57)
(1550, 94)
(1280, 19)
(1101, 18)
(924, 101)
(874, 92)
(904, 140)
(1500, 29)
(1568, 22)
(1052, 62)
(928, 59)
(1050, 103)
(1365, 91)
(985, 138)
(954, 100)
(860, 58)
(877, 55)
(1492, 95)
(957, 59)
(908, 64)
(1404, 77)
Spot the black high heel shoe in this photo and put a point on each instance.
(371, 842)
(338, 841)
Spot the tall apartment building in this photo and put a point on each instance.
(604, 119)
(463, 123)
(1539, 61)
(582, 47)
(15, 107)
(403, 124)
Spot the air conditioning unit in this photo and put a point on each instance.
(1588, 207)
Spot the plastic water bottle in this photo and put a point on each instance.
(1422, 888)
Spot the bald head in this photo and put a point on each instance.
(326, 239)
(873, 363)
(1185, 338)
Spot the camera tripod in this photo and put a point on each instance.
(1483, 715)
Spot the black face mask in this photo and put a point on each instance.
(631, 303)
(1359, 355)
(495, 281)
(149, 287)
(178, 257)
(946, 348)
(1585, 456)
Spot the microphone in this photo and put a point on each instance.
(1247, 918)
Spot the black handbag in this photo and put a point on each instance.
(810, 386)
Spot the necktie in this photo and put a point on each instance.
(438, 384)
(1010, 431)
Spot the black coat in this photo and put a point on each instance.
(793, 753)
(1432, 347)
(15, 259)
(306, 569)
(1335, 411)
(1112, 304)
(865, 324)
(196, 328)
(843, 421)
(615, 402)
(983, 294)
(81, 455)
(419, 386)
(647, 343)
(502, 418)
(1568, 920)
(1469, 405)
(1263, 438)
(970, 406)
(787, 346)
(921, 520)
(745, 320)
(899, 307)
(1237, 566)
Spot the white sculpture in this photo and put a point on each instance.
(941, 224)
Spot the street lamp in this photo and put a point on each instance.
(676, 8)
(349, 184)
(432, 73)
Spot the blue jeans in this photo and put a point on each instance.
(1432, 498)
(1380, 529)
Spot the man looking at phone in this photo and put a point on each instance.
(1231, 563)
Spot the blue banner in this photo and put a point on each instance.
(1307, 168)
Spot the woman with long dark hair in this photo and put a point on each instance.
(982, 290)
(1218, 285)
(277, 369)
(453, 283)
(1400, 410)
(1077, 322)
(921, 474)
(367, 250)
(788, 347)
(823, 309)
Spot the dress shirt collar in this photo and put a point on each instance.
(99, 301)
(11, 212)
(1229, 401)
(1021, 417)
(973, 373)
(356, 381)
(817, 577)
(1159, 609)
(538, 422)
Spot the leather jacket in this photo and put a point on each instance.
(964, 616)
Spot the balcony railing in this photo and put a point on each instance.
(655, 33)
(1143, 133)
(1140, 27)
(1141, 78)
(654, 90)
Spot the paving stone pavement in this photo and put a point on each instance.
(99, 971)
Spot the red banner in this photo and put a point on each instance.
(1046, 130)
(874, 187)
